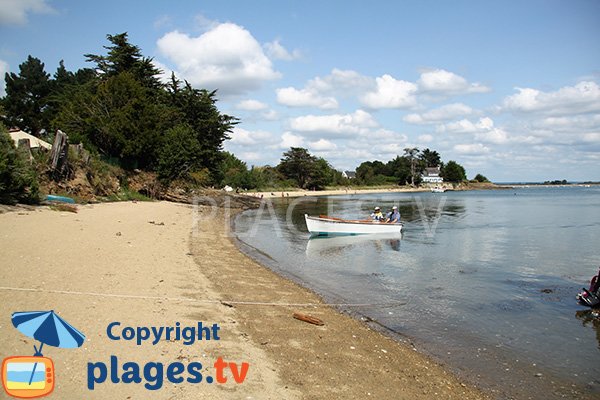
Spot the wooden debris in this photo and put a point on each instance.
(59, 154)
(64, 207)
(308, 318)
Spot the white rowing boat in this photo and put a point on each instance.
(323, 225)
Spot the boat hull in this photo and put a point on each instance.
(330, 226)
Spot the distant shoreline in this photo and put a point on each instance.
(375, 190)
(526, 184)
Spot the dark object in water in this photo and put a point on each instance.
(591, 297)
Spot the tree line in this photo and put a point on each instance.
(122, 112)
(298, 168)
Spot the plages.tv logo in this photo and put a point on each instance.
(27, 377)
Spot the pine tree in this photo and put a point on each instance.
(27, 97)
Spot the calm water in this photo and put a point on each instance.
(484, 281)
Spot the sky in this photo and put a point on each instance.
(509, 89)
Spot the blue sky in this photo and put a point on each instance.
(509, 89)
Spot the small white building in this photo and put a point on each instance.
(349, 174)
(432, 175)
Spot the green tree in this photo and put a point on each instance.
(365, 173)
(18, 180)
(308, 171)
(180, 155)
(123, 56)
(197, 108)
(322, 174)
(400, 168)
(431, 158)
(480, 178)
(26, 99)
(118, 118)
(297, 164)
(234, 171)
(453, 172)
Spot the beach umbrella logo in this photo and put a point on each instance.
(30, 377)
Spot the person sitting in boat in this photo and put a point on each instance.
(377, 215)
(393, 217)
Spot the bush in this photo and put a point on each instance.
(18, 179)
(480, 178)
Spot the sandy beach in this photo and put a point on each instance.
(156, 264)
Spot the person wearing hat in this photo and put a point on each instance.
(393, 216)
(377, 215)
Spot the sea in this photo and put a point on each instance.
(484, 282)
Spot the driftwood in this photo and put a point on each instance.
(308, 318)
(58, 155)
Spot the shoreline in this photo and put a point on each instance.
(146, 265)
(495, 383)
(352, 191)
(332, 192)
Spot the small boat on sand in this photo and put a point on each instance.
(438, 189)
(324, 225)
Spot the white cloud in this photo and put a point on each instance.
(251, 105)
(276, 51)
(292, 97)
(340, 124)
(320, 91)
(322, 145)
(270, 115)
(444, 113)
(591, 138)
(288, 140)
(391, 93)
(471, 149)
(3, 70)
(569, 124)
(342, 82)
(227, 58)
(466, 126)
(15, 12)
(584, 97)
(425, 138)
(445, 82)
(241, 136)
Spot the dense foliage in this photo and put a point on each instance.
(122, 112)
(18, 180)
(480, 178)
(408, 169)
(453, 172)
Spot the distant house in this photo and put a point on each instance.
(432, 175)
(349, 174)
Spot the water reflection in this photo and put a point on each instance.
(323, 246)
(459, 247)
(590, 317)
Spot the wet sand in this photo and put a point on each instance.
(156, 264)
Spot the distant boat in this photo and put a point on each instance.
(324, 225)
(438, 189)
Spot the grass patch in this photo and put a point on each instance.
(126, 195)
